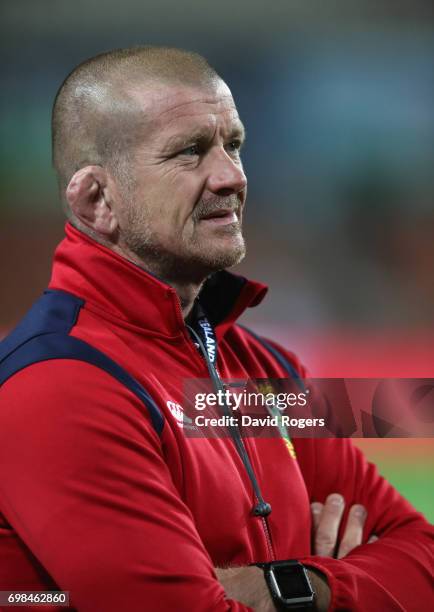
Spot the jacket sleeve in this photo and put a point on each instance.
(84, 483)
(394, 573)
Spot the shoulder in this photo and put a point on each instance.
(277, 360)
(65, 394)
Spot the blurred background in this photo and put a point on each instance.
(338, 101)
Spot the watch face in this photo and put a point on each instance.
(293, 583)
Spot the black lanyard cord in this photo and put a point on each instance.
(262, 508)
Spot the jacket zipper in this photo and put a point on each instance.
(268, 539)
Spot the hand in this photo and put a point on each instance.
(326, 520)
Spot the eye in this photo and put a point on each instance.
(191, 150)
(234, 146)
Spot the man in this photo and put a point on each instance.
(102, 493)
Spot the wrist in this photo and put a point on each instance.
(247, 585)
(321, 588)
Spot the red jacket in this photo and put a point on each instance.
(94, 501)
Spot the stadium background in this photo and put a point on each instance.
(337, 98)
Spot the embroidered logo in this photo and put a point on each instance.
(177, 411)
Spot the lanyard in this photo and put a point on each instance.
(204, 338)
(206, 332)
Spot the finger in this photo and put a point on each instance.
(316, 508)
(353, 535)
(326, 535)
(372, 539)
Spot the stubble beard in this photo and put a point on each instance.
(194, 258)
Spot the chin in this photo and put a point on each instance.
(219, 259)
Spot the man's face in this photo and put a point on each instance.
(183, 211)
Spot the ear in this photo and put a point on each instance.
(88, 195)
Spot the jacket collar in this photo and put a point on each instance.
(120, 289)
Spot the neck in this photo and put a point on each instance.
(187, 288)
(187, 294)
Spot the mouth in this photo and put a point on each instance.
(223, 216)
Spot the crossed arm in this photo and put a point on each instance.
(393, 574)
(247, 584)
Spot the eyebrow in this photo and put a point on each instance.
(202, 135)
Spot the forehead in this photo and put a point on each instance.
(171, 109)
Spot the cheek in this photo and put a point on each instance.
(178, 207)
(170, 220)
(186, 187)
(170, 199)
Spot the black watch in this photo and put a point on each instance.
(289, 585)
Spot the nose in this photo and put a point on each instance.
(226, 176)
